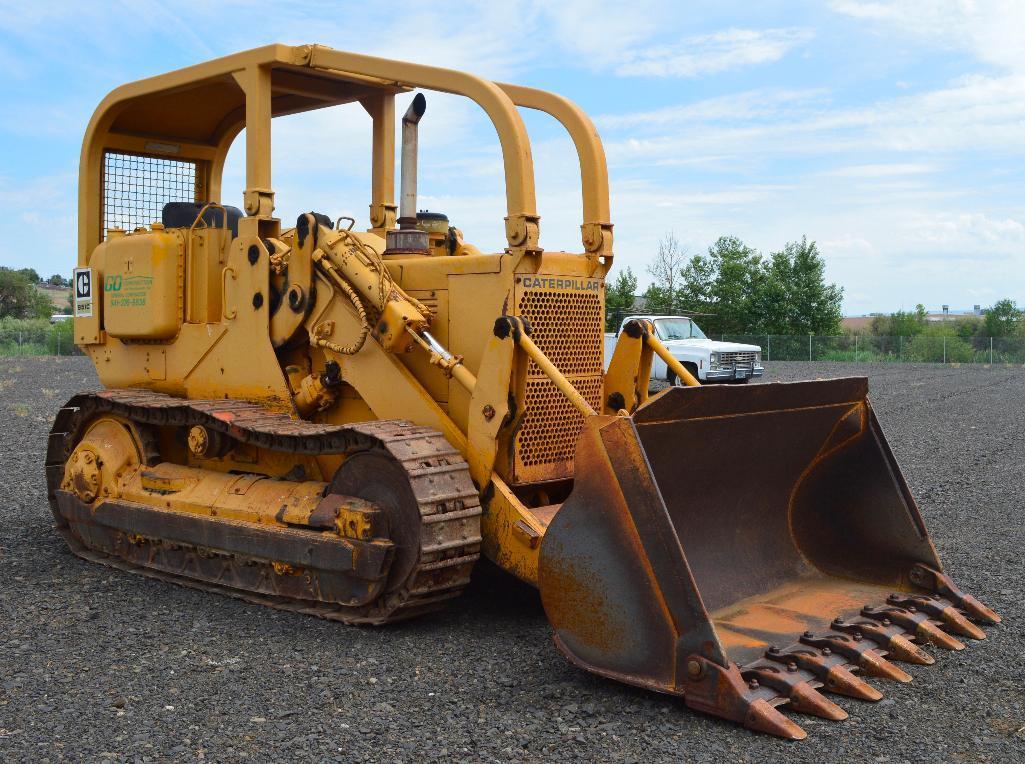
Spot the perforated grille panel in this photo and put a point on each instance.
(563, 327)
(566, 326)
(136, 188)
(549, 433)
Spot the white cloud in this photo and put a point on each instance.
(45, 203)
(749, 105)
(712, 53)
(975, 114)
(913, 195)
(966, 232)
(577, 25)
(882, 170)
(992, 30)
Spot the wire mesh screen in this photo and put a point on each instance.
(136, 188)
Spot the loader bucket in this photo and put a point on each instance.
(745, 547)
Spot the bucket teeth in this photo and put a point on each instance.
(802, 697)
(941, 610)
(876, 665)
(762, 717)
(806, 699)
(941, 583)
(958, 623)
(977, 610)
(843, 682)
(897, 646)
(901, 648)
(723, 691)
(915, 623)
(858, 652)
(835, 677)
(933, 633)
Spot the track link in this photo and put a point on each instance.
(439, 477)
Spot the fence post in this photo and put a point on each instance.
(19, 342)
(809, 347)
(944, 349)
(990, 351)
(58, 343)
(768, 347)
(857, 342)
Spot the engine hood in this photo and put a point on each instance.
(712, 346)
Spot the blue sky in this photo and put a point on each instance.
(892, 133)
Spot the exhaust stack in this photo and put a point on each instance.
(408, 239)
(407, 202)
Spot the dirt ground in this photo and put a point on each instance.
(98, 665)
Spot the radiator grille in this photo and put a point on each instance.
(550, 430)
(737, 358)
(136, 188)
(566, 325)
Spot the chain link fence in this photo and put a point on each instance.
(21, 337)
(867, 348)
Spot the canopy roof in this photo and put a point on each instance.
(194, 114)
(203, 103)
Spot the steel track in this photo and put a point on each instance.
(448, 503)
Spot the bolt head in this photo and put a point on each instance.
(827, 651)
(694, 669)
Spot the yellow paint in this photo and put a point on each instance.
(212, 333)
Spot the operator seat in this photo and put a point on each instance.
(183, 215)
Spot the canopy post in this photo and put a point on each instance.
(255, 81)
(381, 108)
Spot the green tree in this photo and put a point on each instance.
(900, 324)
(619, 297)
(658, 299)
(725, 284)
(792, 296)
(969, 327)
(19, 298)
(1003, 319)
(30, 275)
(57, 280)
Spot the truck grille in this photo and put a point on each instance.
(566, 324)
(737, 358)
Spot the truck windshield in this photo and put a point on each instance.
(678, 329)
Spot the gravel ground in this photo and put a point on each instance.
(97, 664)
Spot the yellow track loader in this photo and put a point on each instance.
(340, 422)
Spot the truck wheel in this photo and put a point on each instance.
(691, 367)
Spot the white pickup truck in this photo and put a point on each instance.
(706, 359)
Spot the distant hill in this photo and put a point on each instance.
(57, 295)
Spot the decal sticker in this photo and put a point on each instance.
(83, 278)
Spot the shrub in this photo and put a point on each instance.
(930, 349)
